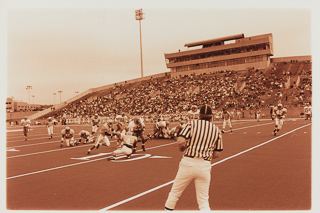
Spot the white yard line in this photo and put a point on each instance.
(170, 182)
(75, 164)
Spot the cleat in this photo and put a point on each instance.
(222, 131)
(128, 156)
(143, 148)
(111, 159)
(133, 151)
(231, 130)
(98, 146)
(88, 152)
(61, 145)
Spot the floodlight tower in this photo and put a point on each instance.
(29, 88)
(60, 95)
(54, 98)
(139, 17)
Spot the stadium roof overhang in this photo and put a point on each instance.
(215, 41)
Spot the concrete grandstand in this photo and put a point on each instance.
(247, 79)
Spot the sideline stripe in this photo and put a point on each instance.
(165, 184)
(75, 164)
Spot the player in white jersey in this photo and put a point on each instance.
(50, 123)
(95, 120)
(26, 126)
(272, 112)
(160, 130)
(86, 137)
(307, 111)
(280, 114)
(120, 120)
(126, 145)
(67, 134)
(193, 114)
(226, 116)
(258, 114)
(106, 130)
(175, 131)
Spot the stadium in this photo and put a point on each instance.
(258, 170)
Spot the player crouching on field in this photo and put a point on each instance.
(174, 132)
(126, 145)
(106, 130)
(280, 114)
(67, 134)
(86, 137)
(160, 130)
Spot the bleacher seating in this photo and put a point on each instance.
(246, 90)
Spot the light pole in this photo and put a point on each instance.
(29, 88)
(54, 98)
(60, 95)
(139, 17)
(33, 98)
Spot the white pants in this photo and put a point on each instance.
(225, 122)
(196, 169)
(94, 128)
(102, 140)
(69, 142)
(50, 130)
(123, 150)
(278, 123)
(84, 139)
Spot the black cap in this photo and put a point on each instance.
(206, 112)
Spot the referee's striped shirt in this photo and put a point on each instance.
(202, 138)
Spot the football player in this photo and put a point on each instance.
(272, 112)
(26, 126)
(126, 145)
(193, 114)
(160, 129)
(280, 114)
(138, 131)
(120, 120)
(258, 114)
(226, 116)
(50, 123)
(175, 131)
(95, 120)
(86, 137)
(67, 134)
(106, 130)
(307, 111)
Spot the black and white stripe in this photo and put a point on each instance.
(203, 138)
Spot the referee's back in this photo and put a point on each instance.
(203, 137)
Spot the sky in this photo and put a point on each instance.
(74, 45)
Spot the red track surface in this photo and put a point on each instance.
(256, 171)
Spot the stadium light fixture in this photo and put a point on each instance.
(29, 88)
(139, 16)
(60, 95)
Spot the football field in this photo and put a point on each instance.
(256, 171)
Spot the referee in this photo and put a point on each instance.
(200, 141)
